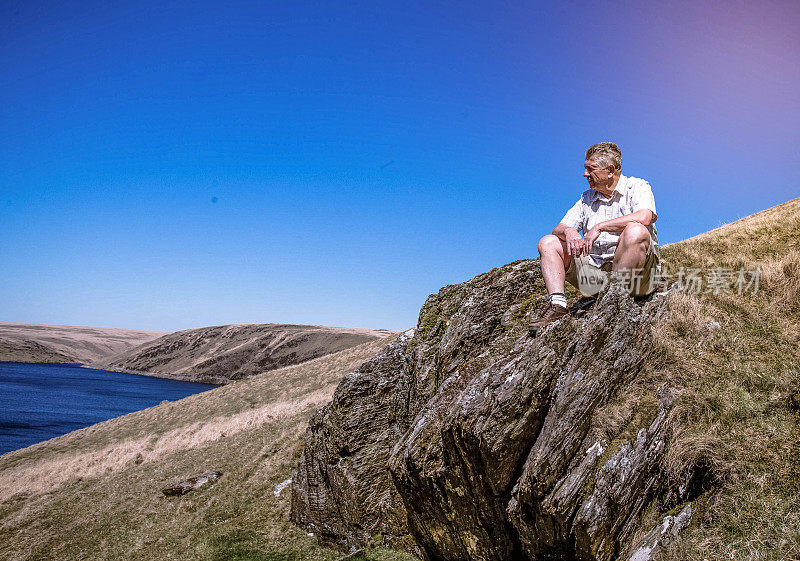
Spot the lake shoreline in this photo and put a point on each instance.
(176, 377)
(41, 401)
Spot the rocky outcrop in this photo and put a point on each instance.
(649, 546)
(221, 354)
(467, 439)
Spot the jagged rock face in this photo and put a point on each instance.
(342, 489)
(474, 439)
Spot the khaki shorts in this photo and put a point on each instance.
(590, 279)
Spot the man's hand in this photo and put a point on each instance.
(574, 242)
(589, 239)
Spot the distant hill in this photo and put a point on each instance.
(32, 342)
(221, 354)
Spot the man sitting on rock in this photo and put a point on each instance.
(616, 216)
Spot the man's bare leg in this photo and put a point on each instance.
(555, 262)
(631, 253)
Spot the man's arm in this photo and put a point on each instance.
(567, 229)
(571, 236)
(617, 225)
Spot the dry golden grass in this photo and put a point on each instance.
(96, 493)
(768, 234)
(732, 362)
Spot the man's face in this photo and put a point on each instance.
(599, 178)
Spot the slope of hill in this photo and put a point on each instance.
(220, 354)
(31, 342)
(734, 358)
(96, 493)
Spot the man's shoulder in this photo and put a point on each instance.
(633, 183)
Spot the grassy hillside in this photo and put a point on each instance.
(96, 493)
(733, 362)
(219, 354)
(33, 342)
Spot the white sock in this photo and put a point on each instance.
(558, 299)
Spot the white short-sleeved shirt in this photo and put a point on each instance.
(630, 194)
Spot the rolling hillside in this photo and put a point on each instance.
(220, 354)
(96, 493)
(32, 342)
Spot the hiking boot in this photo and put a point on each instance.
(551, 313)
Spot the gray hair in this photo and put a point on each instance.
(606, 154)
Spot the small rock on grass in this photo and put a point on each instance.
(191, 484)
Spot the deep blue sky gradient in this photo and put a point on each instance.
(174, 165)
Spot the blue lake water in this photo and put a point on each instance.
(41, 401)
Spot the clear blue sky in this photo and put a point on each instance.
(174, 165)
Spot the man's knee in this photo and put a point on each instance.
(635, 233)
(549, 243)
